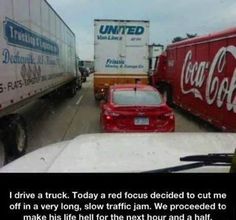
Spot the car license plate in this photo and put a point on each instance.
(141, 121)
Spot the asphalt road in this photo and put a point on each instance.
(57, 119)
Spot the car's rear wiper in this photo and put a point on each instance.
(223, 159)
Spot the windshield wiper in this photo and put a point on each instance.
(223, 159)
(210, 158)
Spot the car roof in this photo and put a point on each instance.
(132, 86)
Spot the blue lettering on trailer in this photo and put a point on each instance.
(16, 58)
(113, 61)
(21, 36)
(116, 30)
(116, 63)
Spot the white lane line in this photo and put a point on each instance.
(78, 102)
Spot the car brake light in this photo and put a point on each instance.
(169, 115)
(108, 117)
(109, 114)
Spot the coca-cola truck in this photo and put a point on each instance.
(199, 75)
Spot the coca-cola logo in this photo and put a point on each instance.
(218, 90)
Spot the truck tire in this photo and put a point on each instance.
(84, 79)
(71, 90)
(80, 84)
(14, 137)
(97, 97)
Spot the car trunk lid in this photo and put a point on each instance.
(140, 117)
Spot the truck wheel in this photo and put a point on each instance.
(14, 137)
(97, 97)
(80, 84)
(72, 90)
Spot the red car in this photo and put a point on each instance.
(136, 108)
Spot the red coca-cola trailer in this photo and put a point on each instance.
(199, 75)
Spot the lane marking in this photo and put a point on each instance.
(78, 102)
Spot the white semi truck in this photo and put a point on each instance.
(37, 57)
(120, 53)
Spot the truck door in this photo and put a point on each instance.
(135, 48)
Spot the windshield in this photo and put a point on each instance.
(59, 61)
(136, 98)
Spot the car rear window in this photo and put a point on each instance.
(139, 97)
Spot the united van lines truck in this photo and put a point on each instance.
(121, 53)
(199, 75)
(37, 56)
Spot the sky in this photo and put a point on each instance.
(168, 18)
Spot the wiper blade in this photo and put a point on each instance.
(176, 168)
(210, 158)
(185, 167)
(223, 159)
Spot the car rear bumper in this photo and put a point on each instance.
(111, 129)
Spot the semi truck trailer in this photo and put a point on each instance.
(120, 53)
(199, 75)
(37, 57)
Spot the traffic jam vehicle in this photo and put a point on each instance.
(199, 75)
(38, 57)
(120, 53)
(136, 108)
